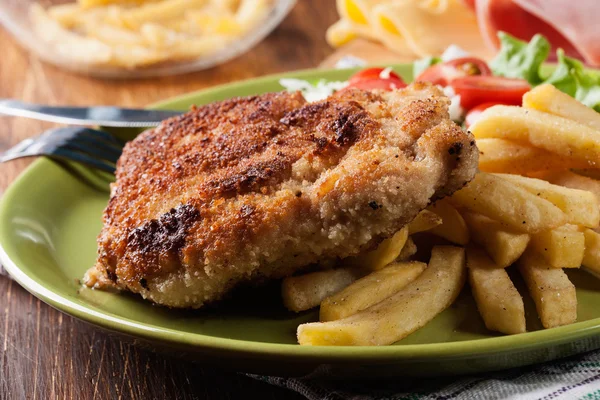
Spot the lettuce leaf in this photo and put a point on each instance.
(571, 77)
(518, 59)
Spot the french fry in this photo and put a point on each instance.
(112, 35)
(250, 13)
(384, 254)
(509, 204)
(210, 23)
(307, 291)
(409, 250)
(424, 221)
(556, 134)
(453, 227)
(68, 15)
(562, 247)
(503, 245)
(370, 290)
(228, 5)
(554, 295)
(498, 301)
(157, 11)
(548, 98)
(196, 47)
(591, 258)
(401, 314)
(98, 3)
(575, 181)
(501, 155)
(580, 206)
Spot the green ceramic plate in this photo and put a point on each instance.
(49, 219)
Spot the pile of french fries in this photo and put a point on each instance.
(138, 33)
(534, 206)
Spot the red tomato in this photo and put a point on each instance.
(475, 90)
(443, 74)
(371, 73)
(475, 112)
(370, 79)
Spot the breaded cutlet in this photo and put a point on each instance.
(261, 187)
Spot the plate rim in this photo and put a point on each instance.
(416, 352)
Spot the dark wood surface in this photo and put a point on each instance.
(45, 354)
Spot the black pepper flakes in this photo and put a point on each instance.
(374, 205)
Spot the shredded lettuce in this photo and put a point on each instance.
(518, 59)
(312, 91)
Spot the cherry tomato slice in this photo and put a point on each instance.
(475, 112)
(475, 90)
(370, 74)
(443, 74)
(370, 79)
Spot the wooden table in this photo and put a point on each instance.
(45, 354)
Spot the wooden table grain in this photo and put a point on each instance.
(45, 354)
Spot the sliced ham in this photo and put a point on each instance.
(569, 24)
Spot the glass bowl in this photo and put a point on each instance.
(16, 17)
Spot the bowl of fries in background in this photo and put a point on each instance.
(141, 38)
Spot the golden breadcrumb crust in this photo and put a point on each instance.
(263, 186)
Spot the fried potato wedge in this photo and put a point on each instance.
(370, 290)
(553, 293)
(556, 134)
(548, 98)
(385, 253)
(303, 292)
(514, 206)
(562, 247)
(498, 301)
(502, 244)
(424, 221)
(401, 314)
(591, 258)
(501, 155)
(580, 206)
(453, 227)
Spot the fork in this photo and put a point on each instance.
(92, 147)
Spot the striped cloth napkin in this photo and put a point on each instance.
(575, 377)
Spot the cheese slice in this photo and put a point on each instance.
(426, 27)
(341, 33)
(357, 11)
(354, 22)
